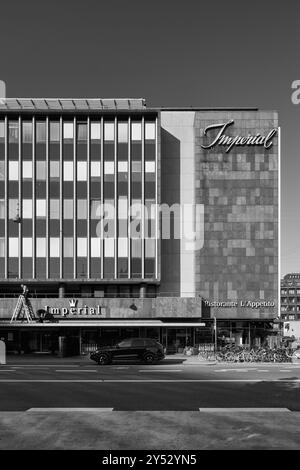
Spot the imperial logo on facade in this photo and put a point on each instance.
(97, 310)
(230, 141)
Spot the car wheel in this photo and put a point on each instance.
(149, 358)
(103, 360)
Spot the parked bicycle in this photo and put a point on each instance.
(243, 354)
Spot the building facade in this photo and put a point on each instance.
(290, 297)
(124, 220)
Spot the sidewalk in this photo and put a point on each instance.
(49, 359)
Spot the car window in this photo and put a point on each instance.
(149, 342)
(125, 344)
(137, 343)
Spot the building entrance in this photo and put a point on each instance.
(39, 342)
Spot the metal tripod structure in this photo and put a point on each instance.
(23, 309)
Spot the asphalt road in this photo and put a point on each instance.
(136, 387)
(57, 404)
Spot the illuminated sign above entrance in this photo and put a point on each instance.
(74, 310)
(230, 141)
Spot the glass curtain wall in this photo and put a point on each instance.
(77, 197)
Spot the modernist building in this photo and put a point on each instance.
(128, 220)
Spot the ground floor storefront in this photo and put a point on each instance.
(75, 338)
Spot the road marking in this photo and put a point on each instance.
(42, 367)
(76, 371)
(68, 410)
(160, 370)
(230, 370)
(230, 410)
(263, 370)
(285, 370)
(148, 380)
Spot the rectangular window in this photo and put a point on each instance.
(27, 169)
(82, 209)
(27, 247)
(122, 132)
(136, 248)
(136, 167)
(95, 147)
(27, 208)
(150, 248)
(150, 167)
(109, 168)
(95, 169)
(109, 131)
(81, 171)
(95, 247)
(136, 131)
(27, 132)
(13, 132)
(54, 247)
(95, 209)
(41, 170)
(150, 130)
(2, 247)
(41, 247)
(68, 130)
(68, 171)
(81, 138)
(81, 132)
(41, 208)
(81, 247)
(122, 247)
(13, 247)
(68, 247)
(54, 132)
(12, 208)
(122, 167)
(13, 170)
(54, 169)
(122, 208)
(68, 209)
(2, 131)
(109, 247)
(40, 132)
(2, 209)
(2, 170)
(54, 208)
(95, 131)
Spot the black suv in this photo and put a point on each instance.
(146, 349)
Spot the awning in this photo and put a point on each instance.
(105, 323)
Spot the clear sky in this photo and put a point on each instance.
(170, 52)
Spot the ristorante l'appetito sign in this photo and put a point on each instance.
(230, 141)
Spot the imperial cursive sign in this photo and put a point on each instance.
(230, 141)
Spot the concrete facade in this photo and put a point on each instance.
(155, 308)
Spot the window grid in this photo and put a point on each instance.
(41, 202)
